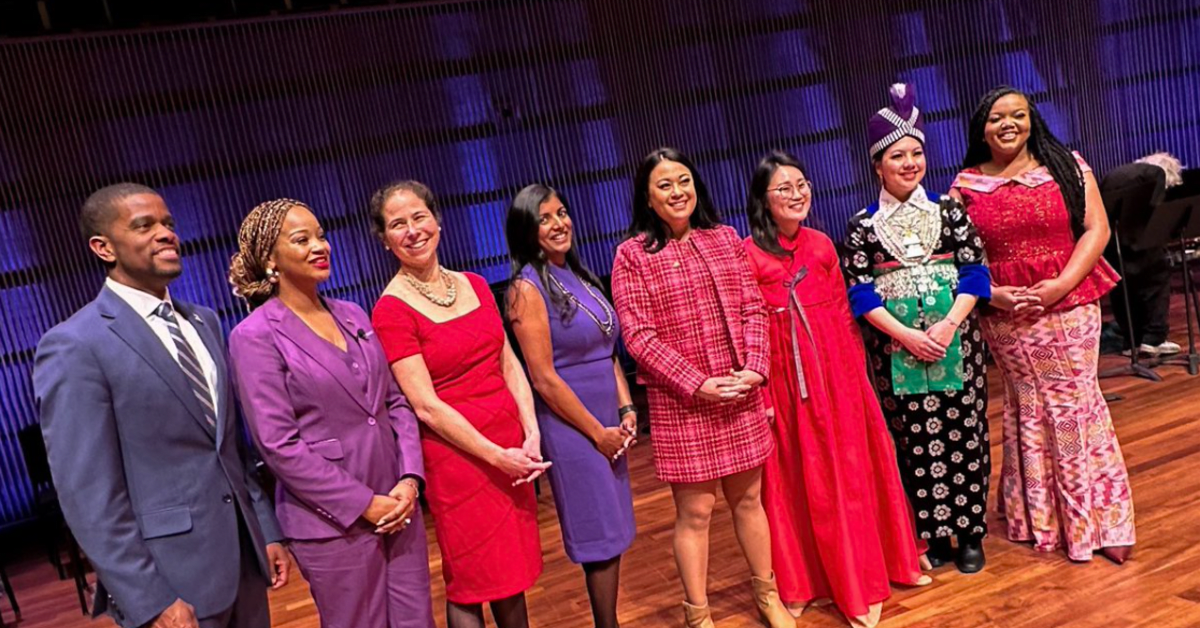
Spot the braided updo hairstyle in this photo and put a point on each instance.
(256, 240)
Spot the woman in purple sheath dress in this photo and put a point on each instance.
(567, 330)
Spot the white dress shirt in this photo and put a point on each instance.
(145, 305)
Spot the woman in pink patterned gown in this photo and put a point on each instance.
(1038, 210)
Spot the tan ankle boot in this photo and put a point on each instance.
(697, 616)
(766, 596)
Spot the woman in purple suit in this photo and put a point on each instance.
(567, 331)
(331, 425)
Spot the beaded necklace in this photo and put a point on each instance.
(608, 324)
(427, 292)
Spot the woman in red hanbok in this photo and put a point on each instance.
(841, 529)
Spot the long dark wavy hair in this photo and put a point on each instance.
(646, 222)
(1042, 144)
(521, 228)
(762, 226)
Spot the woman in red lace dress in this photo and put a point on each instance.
(446, 344)
(1039, 212)
(841, 528)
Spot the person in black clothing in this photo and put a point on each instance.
(1147, 271)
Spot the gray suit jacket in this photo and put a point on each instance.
(152, 493)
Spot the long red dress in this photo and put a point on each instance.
(486, 528)
(841, 527)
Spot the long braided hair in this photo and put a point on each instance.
(256, 240)
(1042, 144)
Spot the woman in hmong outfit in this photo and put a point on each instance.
(916, 268)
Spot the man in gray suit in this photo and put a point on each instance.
(140, 426)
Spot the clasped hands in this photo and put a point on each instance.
(729, 388)
(613, 442)
(929, 345)
(524, 464)
(392, 513)
(1029, 301)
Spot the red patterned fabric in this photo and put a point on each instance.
(1026, 230)
(689, 312)
(486, 528)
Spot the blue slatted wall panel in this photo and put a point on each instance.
(480, 98)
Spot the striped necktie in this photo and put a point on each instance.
(189, 364)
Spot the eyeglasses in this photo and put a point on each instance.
(790, 191)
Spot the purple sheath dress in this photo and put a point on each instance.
(592, 495)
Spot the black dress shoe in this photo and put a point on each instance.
(939, 551)
(970, 557)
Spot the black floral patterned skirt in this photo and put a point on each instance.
(941, 439)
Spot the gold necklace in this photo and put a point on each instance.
(427, 292)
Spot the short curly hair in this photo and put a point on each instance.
(381, 196)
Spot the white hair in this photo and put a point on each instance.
(1169, 164)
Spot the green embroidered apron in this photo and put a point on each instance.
(919, 297)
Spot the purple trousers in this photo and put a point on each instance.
(365, 580)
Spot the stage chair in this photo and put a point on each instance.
(7, 590)
(49, 515)
(1188, 239)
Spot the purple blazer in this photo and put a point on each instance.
(330, 447)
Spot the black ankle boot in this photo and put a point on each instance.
(970, 557)
(939, 551)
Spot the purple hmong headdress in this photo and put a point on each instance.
(891, 123)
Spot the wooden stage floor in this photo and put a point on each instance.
(1159, 428)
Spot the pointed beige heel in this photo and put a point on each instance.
(871, 619)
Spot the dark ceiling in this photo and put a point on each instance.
(33, 18)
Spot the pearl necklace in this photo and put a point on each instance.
(606, 326)
(427, 292)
